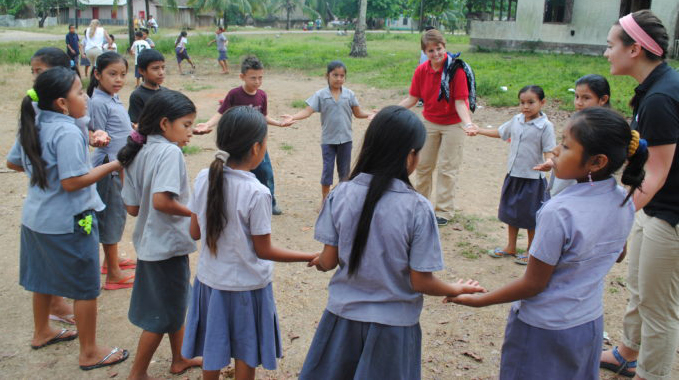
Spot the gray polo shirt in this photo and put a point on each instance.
(108, 113)
(403, 236)
(529, 141)
(221, 41)
(158, 167)
(335, 114)
(581, 232)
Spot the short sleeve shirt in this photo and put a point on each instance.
(137, 47)
(182, 43)
(426, 85)
(72, 41)
(65, 154)
(238, 97)
(529, 141)
(108, 113)
(159, 167)
(403, 236)
(235, 266)
(335, 114)
(138, 99)
(581, 232)
(221, 41)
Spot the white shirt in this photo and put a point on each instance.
(235, 267)
(137, 47)
(113, 47)
(96, 41)
(182, 43)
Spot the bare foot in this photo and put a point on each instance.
(99, 353)
(39, 340)
(116, 276)
(182, 365)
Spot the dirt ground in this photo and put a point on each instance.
(458, 342)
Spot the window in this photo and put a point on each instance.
(559, 11)
(629, 6)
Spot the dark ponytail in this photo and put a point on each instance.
(238, 130)
(49, 86)
(391, 136)
(103, 61)
(164, 104)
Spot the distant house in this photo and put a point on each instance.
(578, 26)
(109, 14)
(184, 16)
(403, 23)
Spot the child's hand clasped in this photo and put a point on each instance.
(201, 129)
(464, 290)
(545, 166)
(472, 130)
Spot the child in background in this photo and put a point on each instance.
(108, 113)
(384, 237)
(111, 46)
(73, 46)
(554, 330)
(249, 94)
(233, 313)
(222, 43)
(336, 105)
(524, 188)
(59, 255)
(137, 47)
(145, 34)
(156, 192)
(180, 51)
(151, 67)
(84, 61)
(152, 23)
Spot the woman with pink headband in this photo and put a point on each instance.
(637, 46)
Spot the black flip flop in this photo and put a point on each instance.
(59, 338)
(102, 363)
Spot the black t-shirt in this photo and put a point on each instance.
(657, 119)
(138, 98)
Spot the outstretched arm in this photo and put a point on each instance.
(408, 102)
(276, 123)
(427, 283)
(204, 128)
(166, 202)
(327, 260)
(266, 251)
(95, 174)
(360, 114)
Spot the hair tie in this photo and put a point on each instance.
(32, 94)
(138, 137)
(222, 155)
(632, 28)
(633, 144)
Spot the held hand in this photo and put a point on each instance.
(202, 129)
(372, 114)
(465, 299)
(287, 118)
(287, 122)
(472, 130)
(100, 138)
(545, 166)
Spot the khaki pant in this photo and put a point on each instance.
(444, 144)
(651, 324)
(92, 54)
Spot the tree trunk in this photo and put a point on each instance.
(75, 13)
(41, 22)
(287, 19)
(147, 12)
(421, 26)
(224, 21)
(359, 47)
(130, 23)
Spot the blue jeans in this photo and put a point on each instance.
(264, 173)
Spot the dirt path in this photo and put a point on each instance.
(452, 335)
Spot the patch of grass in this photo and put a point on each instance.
(299, 103)
(613, 290)
(287, 147)
(195, 88)
(469, 250)
(468, 222)
(191, 149)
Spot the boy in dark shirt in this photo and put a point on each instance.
(73, 46)
(249, 94)
(151, 64)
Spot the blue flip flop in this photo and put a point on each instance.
(497, 253)
(521, 260)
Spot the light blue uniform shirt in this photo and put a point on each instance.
(529, 141)
(158, 167)
(335, 114)
(108, 113)
(65, 153)
(581, 232)
(403, 236)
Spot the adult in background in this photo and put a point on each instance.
(153, 24)
(96, 36)
(445, 121)
(637, 47)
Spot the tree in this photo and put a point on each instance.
(12, 7)
(223, 7)
(376, 8)
(359, 47)
(289, 6)
(43, 8)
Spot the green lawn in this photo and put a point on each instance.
(392, 59)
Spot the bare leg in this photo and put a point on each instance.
(226, 67)
(42, 331)
(244, 371)
(148, 343)
(111, 256)
(512, 235)
(179, 363)
(180, 68)
(86, 320)
(325, 190)
(531, 235)
(61, 308)
(210, 375)
(192, 65)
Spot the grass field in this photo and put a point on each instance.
(392, 59)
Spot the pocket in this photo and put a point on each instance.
(84, 222)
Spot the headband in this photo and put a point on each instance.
(32, 94)
(222, 156)
(138, 137)
(630, 26)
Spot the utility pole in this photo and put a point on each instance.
(130, 21)
(75, 13)
(421, 26)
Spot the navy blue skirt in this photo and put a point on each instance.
(530, 352)
(160, 294)
(521, 199)
(346, 349)
(226, 324)
(64, 265)
(112, 218)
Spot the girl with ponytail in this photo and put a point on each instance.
(232, 293)
(554, 330)
(384, 237)
(59, 255)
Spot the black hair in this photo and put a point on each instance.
(52, 57)
(428, 27)
(601, 130)
(537, 90)
(250, 63)
(391, 136)
(144, 30)
(103, 61)
(71, 25)
(238, 130)
(138, 34)
(653, 26)
(164, 104)
(179, 37)
(113, 38)
(50, 85)
(335, 65)
(147, 56)
(597, 84)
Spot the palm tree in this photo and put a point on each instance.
(359, 47)
(218, 6)
(289, 7)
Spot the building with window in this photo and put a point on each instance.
(571, 26)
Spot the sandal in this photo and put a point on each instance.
(123, 264)
(57, 339)
(622, 367)
(521, 260)
(497, 253)
(102, 362)
(122, 284)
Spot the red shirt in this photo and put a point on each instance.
(426, 84)
(238, 97)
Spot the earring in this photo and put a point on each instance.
(590, 179)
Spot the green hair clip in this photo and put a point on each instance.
(32, 94)
(86, 224)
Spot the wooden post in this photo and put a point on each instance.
(130, 21)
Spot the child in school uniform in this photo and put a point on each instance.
(137, 47)
(156, 192)
(222, 44)
(554, 329)
(151, 65)
(336, 105)
(384, 237)
(181, 52)
(233, 312)
(525, 188)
